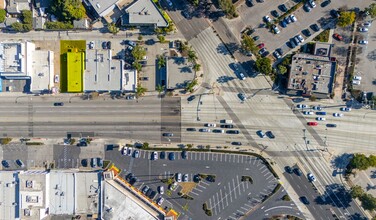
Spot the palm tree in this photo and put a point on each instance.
(160, 89)
(196, 67)
(192, 56)
(140, 91)
(161, 61)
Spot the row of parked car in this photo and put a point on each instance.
(18, 162)
(128, 151)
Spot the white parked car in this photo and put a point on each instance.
(241, 76)
(337, 114)
(356, 82)
(56, 78)
(178, 177)
(293, 18)
(357, 78)
(160, 201)
(267, 19)
(301, 39)
(185, 178)
(161, 190)
(311, 177)
(210, 125)
(125, 150)
(308, 113)
(204, 130)
(320, 119)
(363, 29)
(301, 106)
(312, 4)
(345, 109)
(364, 42)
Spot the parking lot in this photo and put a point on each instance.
(366, 55)
(227, 196)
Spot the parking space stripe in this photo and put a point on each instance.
(242, 158)
(205, 183)
(223, 204)
(243, 186)
(226, 197)
(254, 162)
(270, 176)
(244, 209)
(238, 158)
(233, 182)
(219, 201)
(193, 193)
(249, 206)
(237, 179)
(229, 187)
(225, 157)
(199, 156)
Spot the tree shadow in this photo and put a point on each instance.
(339, 197)
(341, 51)
(226, 48)
(369, 187)
(371, 56)
(225, 79)
(357, 216)
(341, 161)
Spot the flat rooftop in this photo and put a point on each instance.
(61, 192)
(129, 80)
(42, 70)
(121, 204)
(311, 74)
(178, 72)
(102, 72)
(87, 192)
(101, 6)
(33, 186)
(9, 199)
(322, 49)
(144, 12)
(12, 58)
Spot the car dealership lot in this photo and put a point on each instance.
(227, 196)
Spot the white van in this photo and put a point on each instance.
(228, 121)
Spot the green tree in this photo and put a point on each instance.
(359, 161)
(160, 88)
(372, 10)
(248, 44)
(196, 67)
(67, 10)
(27, 17)
(161, 38)
(3, 14)
(195, 2)
(137, 66)
(184, 47)
(189, 87)
(346, 18)
(282, 69)
(140, 91)
(17, 27)
(263, 65)
(57, 25)
(356, 192)
(192, 57)
(138, 52)
(228, 8)
(161, 61)
(112, 28)
(368, 202)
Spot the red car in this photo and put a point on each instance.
(261, 45)
(338, 37)
(313, 123)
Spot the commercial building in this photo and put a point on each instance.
(23, 68)
(36, 194)
(143, 13)
(311, 75)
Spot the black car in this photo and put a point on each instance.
(168, 134)
(210, 179)
(162, 155)
(149, 192)
(270, 134)
(275, 13)
(288, 169)
(191, 129)
(104, 45)
(100, 162)
(315, 27)
(191, 98)
(129, 176)
(196, 178)
(283, 7)
(279, 50)
(59, 104)
(184, 154)
(5, 163)
(304, 200)
(84, 162)
(133, 180)
(306, 32)
(256, 38)
(109, 45)
(325, 3)
(232, 132)
(237, 143)
(334, 13)
(20, 163)
(227, 126)
(331, 125)
(250, 3)
(171, 156)
(297, 171)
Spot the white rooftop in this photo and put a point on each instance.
(88, 188)
(42, 70)
(129, 80)
(145, 12)
(61, 192)
(102, 72)
(9, 200)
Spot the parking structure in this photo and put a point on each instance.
(226, 195)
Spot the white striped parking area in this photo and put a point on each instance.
(227, 194)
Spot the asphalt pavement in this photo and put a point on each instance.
(227, 197)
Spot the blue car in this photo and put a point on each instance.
(320, 113)
(283, 24)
